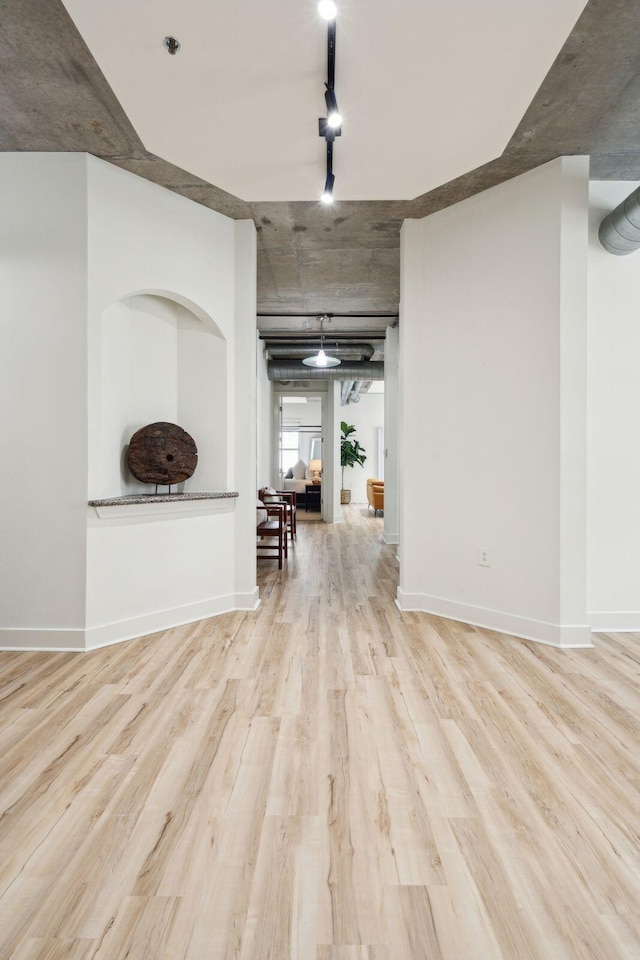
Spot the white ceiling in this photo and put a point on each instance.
(429, 89)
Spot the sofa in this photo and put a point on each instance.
(375, 494)
(297, 478)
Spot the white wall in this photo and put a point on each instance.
(144, 239)
(44, 384)
(366, 415)
(160, 362)
(493, 353)
(202, 392)
(85, 238)
(139, 382)
(614, 425)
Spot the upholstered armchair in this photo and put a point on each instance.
(375, 494)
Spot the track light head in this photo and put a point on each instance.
(327, 9)
(327, 194)
(334, 117)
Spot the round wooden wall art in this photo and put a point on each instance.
(162, 453)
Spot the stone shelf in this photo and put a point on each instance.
(163, 504)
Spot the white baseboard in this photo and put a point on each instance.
(248, 601)
(565, 636)
(117, 632)
(614, 621)
(391, 538)
(42, 638)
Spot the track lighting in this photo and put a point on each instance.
(330, 126)
(327, 9)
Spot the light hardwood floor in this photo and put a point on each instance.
(324, 779)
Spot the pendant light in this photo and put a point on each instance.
(320, 359)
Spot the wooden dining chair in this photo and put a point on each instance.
(288, 497)
(274, 531)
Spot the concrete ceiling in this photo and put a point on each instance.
(312, 259)
(427, 94)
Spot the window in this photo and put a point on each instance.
(289, 449)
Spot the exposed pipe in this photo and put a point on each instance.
(619, 232)
(345, 391)
(351, 370)
(350, 392)
(354, 396)
(332, 316)
(279, 350)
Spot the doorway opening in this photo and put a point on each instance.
(300, 450)
(363, 450)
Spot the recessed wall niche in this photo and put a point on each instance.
(160, 360)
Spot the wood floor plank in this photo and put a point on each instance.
(324, 778)
(281, 918)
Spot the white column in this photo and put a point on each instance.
(331, 508)
(574, 236)
(391, 435)
(245, 414)
(614, 425)
(43, 483)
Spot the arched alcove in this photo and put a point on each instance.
(161, 358)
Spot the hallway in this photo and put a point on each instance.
(323, 779)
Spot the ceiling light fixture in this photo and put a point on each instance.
(330, 126)
(320, 359)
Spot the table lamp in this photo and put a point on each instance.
(316, 466)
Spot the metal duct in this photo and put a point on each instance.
(350, 392)
(619, 232)
(345, 391)
(351, 370)
(278, 350)
(354, 396)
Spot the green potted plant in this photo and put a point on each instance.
(350, 453)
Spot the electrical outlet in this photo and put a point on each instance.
(483, 559)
